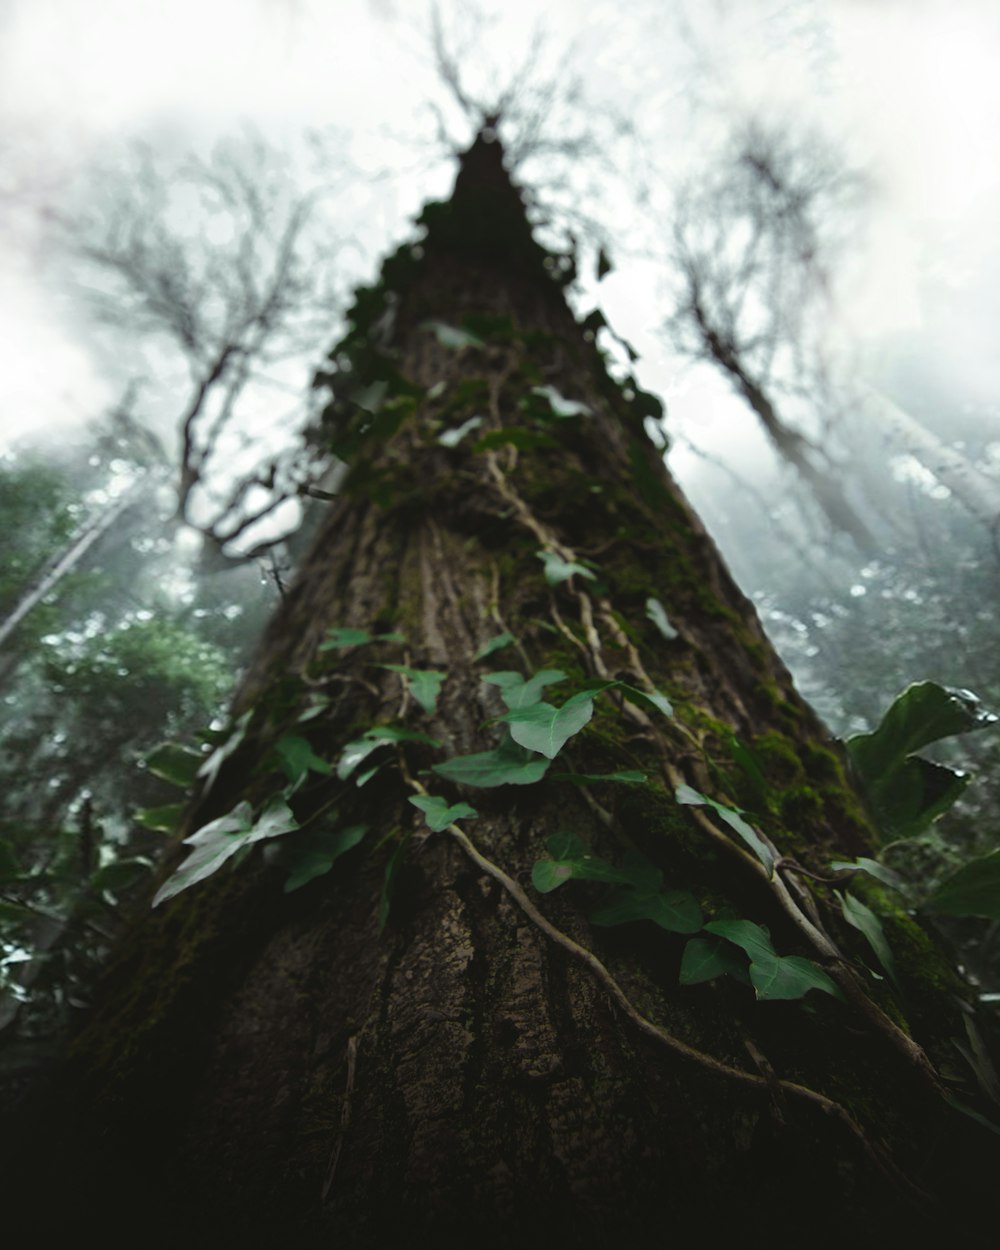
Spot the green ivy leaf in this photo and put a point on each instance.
(163, 819)
(449, 336)
(546, 729)
(494, 644)
(507, 765)
(688, 795)
(314, 852)
(677, 911)
(174, 763)
(773, 976)
(861, 917)
(337, 638)
(873, 868)
(561, 407)
(211, 767)
(451, 438)
(298, 759)
(380, 735)
(558, 570)
(220, 839)
(424, 683)
(657, 614)
(974, 890)
(438, 814)
(906, 792)
(518, 693)
(571, 860)
(704, 959)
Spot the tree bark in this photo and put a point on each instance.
(269, 1069)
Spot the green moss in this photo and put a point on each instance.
(780, 759)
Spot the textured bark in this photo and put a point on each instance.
(269, 1070)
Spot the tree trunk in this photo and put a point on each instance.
(269, 1069)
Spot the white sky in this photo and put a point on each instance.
(911, 85)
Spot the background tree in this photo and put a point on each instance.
(420, 1043)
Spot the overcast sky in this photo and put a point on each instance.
(908, 86)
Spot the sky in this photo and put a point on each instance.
(907, 86)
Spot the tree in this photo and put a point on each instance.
(217, 269)
(418, 1041)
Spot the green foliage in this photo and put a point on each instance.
(907, 792)
(773, 976)
(221, 839)
(298, 759)
(371, 740)
(974, 890)
(424, 684)
(626, 775)
(451, 438)
(175, 763)
(506, 765)
(313, 852)
(437, 812)
(495, 644)
(657, 614)
(519, 692)
(558, 570)
(687, 794)
(339, 638)
(862, 918)
(546, 729)
(704, 959)
(560, 406)
(449, 336)
(162, 819)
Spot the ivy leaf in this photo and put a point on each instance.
(974, 890)
(657, 614)
(220, 839)
(438, 814)
(874, 869)
(750, 767)
(424, 683)
(449, 336)
(773, 976)
(298, 759)
(337, 638)
(861, 917)
(518, 693)
(314, 852)
(558, 570)
(688, 795)
(174, 763)
(704, 959)
(507, 765)
(677, 911)
(494, 644)
(451, 438)
(163, 819)
(648, 699)
(211, 767)
(604, 265)
(561, 407)
(572, 860)
(380, 735)
(546, 729)
(906, 792)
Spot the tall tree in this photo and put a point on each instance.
(422, 1042)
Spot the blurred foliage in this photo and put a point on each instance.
(135, 644)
